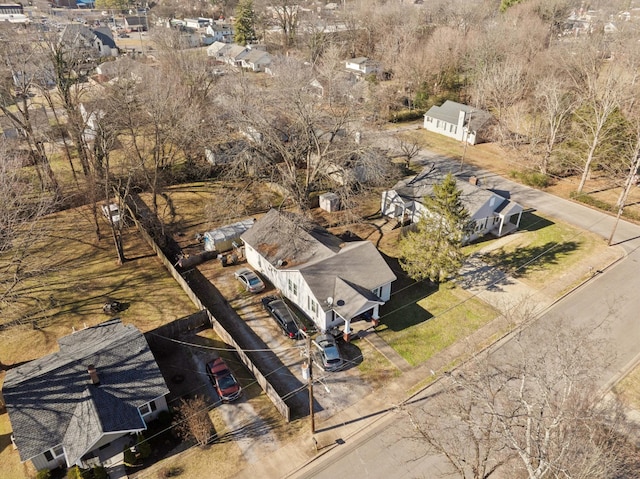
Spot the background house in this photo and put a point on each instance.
(458, 121)
(81, 404)
(362, 66)
(97, 40)
(136, 23)
(331, 281)
(489, 211)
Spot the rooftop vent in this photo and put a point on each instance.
(93, 374)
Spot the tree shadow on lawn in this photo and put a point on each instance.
(524, 260)
(256, 428)
(402, 310)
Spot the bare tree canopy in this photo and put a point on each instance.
(531, 410)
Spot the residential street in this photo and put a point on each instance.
(607, 305)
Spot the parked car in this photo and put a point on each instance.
(223, 380)
(111, 210)
(279, 310)
(249, 280)
(331, 359)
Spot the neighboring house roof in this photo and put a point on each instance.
(473, 197)
(52, 401)
(236, 52)
(105, 36)
(218, 49)
(257, 57)
(135, 20)
(450, 113)
(346, 271)
(75, 32)
(358, 60)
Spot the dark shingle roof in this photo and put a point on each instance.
(97, 413)
(105, 36)
(44, 395)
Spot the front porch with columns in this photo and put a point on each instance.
(348, 334)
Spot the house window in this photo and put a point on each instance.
(437, 123)
(51, 454)
(313, 306)
(293, 287)
(429, 119)
(148, 408)
(48, 456)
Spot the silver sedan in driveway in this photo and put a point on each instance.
(329, 352)
(250, 280)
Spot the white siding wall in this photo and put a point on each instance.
(40, 462)
(385, 292)
(161, 405)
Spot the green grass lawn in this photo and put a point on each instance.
(420, 321)
(543, 249)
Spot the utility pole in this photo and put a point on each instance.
(310, 384)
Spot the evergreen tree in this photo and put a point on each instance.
(245, 24)
(434, 250)
(504, 4)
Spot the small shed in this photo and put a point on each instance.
(329, 202)
(222, 239)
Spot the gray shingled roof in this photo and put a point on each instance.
(98, 412)
(450, 110)
(416, 188)
(286, 238)
(44, 396)
(347, 272)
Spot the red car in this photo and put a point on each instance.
(223, 380)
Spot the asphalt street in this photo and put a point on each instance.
(606, 306)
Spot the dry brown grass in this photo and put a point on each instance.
(628, 390)
(85, 275)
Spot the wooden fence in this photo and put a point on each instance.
(215, 324)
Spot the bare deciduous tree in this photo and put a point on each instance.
(192, 420)
(299, 141)
(554, 105)
(22, 232)
(532, 409)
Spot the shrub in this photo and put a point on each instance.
(43, 474)
(75, 473)
(591, 201)
(170, 471)
(99, 472)
(130, 458)
(532, 178)
(142, 446)
(406, 115)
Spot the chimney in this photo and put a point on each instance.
(473, 180)
(93, 374)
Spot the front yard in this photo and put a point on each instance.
(420, 321)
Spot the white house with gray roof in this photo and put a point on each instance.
(332, 281)
(458, 121)
(81, 404)
(489, 211)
